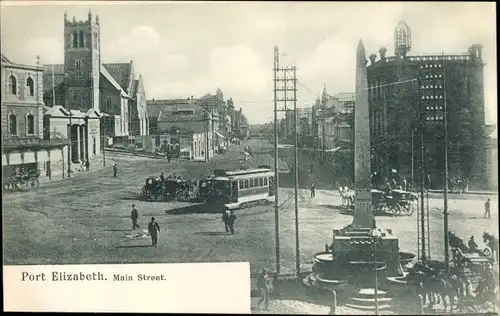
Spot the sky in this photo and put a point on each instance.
(192, 48)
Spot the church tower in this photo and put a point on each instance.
(82, 63)
(402, 39)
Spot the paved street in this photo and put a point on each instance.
(86, 220)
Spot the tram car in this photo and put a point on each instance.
(240, 189)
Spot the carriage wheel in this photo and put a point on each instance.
(487, 252)
(33, 182)
(23, 185)
(409, 209)
(396, 209)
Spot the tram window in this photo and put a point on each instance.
(241, 184)
(261, 182)
(250, 183)
(246, 184)
(265, 181)
(254, 182)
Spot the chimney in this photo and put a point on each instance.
(382, 51)
(372, 59)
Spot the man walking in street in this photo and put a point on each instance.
(313, 190)
(134, 215)
(115, 170)
(263, 287)
(154, 229)
(487, 209)
(230, 221)
(169, 156)
(87, 165)
(225, 218)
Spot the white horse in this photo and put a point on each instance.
(347, 195)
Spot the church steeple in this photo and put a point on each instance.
(324, 96)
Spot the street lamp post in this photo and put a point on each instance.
(375, 236)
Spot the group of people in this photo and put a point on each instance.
(459, 185)
(153, 226)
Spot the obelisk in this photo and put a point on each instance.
(363, 216)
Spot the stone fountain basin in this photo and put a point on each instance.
(406, 257)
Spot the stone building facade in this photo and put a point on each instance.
(83, 82)
(23, 145)
(407, 98)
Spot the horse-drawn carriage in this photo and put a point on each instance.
(22, 181)
(470, 261)
(397, 202)
(169, 189)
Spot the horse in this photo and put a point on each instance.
(492, 242)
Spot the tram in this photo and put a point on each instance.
(241, 188)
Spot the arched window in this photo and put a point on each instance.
(74, 38)
(13, 124)
(30, 124)
(81, 42)
(95, 40)
(30, 86)
(13, 85)
(108, 105)
(78, 67)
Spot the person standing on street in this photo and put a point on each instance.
(487, 209)
(263, 287)
(230, 221)
(154, 229)
(169, 156)
(225, 218)
(115, 170)
(134, 215)
(313, 190)
(87, 165)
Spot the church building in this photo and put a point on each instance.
(83, 82)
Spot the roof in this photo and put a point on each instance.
(344, 95)
(5, 60)
(121, 72)
(112, 80)
(154, 107)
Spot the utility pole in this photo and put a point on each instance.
(412, 159)
(70, 151)
(296, 169)
(103, 139)
(206, 137)
(422, 188)
(445, 206)
(276, 171)
(284, 89)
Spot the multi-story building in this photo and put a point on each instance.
(408, 95)
(23, 144)
(83, 82)
(335, 121)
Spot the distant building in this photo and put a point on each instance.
(492, 157)
(335, 122)
(407, 90)
(23, 144)
(83, 82)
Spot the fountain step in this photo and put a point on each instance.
(369, 308)
(357, 233)
(371, 292)
(371, 300)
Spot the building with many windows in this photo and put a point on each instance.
(408, 94)
(23, 144)
(83, 82)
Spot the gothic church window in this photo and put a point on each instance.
(108, 105)
(31, 87)
(78, 67)
(74, 39)
(13, 124)
(81, 41)
(95, 40)
(13, 85)
(30, 124)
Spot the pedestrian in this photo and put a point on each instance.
(134, 215)
(169, 156)
(225, 218)
(263, 287)
(487, 209)
(472, 245)
(154, 229)
(230, 221)
(313, 190)
(87, 165)
(115, 170)
(162, 178)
